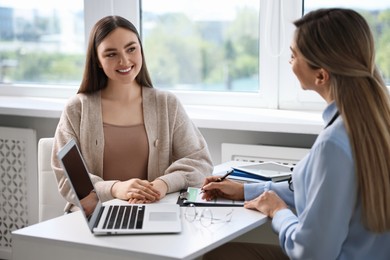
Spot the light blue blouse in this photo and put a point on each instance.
(327, 224)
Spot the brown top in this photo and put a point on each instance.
(178, 153)
(126, 152)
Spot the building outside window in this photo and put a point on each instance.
(41, 42)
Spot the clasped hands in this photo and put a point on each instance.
(267, 203)
(139, 191)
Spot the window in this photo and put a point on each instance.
(235, 55)
(41, 42)
(291, 96)
(216, 56)
(228, 56)
(199, 46)
(377, 14)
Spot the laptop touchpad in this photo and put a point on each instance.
(162, 216)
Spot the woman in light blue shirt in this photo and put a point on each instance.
(341, 189)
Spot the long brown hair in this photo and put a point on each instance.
(94, 78)
(341, 42)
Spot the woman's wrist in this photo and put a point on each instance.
(161, 186)
(113, 189)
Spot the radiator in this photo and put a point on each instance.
(18, 183)
(262, 153)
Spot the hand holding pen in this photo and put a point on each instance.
(225, 176)
(219, 179)
(221, 186)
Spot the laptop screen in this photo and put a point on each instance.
(79, 178)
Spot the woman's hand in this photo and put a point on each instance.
(135, 191)
(161, 187)
(267, 203)
(89, 203)
(226, 189)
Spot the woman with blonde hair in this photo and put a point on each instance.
(341, 189)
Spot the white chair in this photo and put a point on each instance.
(51, 203)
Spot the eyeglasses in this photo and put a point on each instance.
(290, 184)
(205, 216)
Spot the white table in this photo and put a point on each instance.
(68, 237)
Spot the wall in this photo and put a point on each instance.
(45, 127)
(215, 137)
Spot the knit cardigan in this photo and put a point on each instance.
(178, 153)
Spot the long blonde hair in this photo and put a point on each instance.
(340, 41)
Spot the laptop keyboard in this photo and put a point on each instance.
(124, 217)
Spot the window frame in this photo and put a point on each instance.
(275, 74)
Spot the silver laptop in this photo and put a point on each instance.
(119, 218)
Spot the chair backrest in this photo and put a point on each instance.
(51, 203)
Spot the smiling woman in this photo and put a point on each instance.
(119, 57)
(130, 133)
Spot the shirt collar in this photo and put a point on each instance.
(329, 112)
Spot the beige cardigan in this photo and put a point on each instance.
(178, 153)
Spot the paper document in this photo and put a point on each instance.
(194, 196)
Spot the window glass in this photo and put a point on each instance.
(377, 14)
(41, 41)
(198, 45)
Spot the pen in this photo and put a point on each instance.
(221, 178)
(225, 176)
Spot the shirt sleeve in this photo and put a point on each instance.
(327, 198)
(253, 190)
